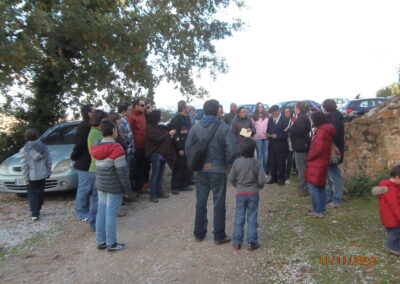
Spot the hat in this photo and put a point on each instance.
(273, 109)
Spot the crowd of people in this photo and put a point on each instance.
(118, 155)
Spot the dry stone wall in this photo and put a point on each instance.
(372, 142)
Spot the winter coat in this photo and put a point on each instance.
(111, 171)
(261, 126)
(137, 122)
(336, 119)
(280, 143)
(300, 134)
(238, 123)
(35, 161)
(80, 154)
(319, 155)
(181, 124)
(222, 148)
(389, 204)
(158, 140)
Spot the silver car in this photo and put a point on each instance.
(60, 141)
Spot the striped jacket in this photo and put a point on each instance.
(111, 171)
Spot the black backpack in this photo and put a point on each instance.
(196, 154)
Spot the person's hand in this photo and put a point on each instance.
(181, 153)
(248, 129)
(172, 132)
(274, 136)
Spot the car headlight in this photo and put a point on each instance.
(63, 166)
(4, 168)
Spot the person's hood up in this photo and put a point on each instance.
(102, 149)
(37, 146)
(328, 128)
(207, 120)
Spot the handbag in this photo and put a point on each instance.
(196, 154)
(336, 156)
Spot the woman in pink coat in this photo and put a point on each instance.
(260, 120)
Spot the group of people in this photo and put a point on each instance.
(116, 154)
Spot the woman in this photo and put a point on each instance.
(242, 126)
(289, 162)
(318, 162)
(159, 149)
(260, 120)
(116, 119)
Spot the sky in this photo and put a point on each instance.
(308, 49)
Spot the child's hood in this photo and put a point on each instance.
(38, 149)
(106, 149)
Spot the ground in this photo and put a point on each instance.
(161, 247)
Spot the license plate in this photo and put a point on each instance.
(19, 182)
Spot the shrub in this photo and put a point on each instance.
(361, 184)
(12, 141)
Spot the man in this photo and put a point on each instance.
(213, 176)
(278, 146)
(334, 185)
(300, 138)
(221, 112)
(230, 116)
(124, 109)
(137, 122)
(80, 155)
(180, 180)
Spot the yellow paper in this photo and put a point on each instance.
(244, 132)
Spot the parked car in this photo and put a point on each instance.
(356, 108)
(60, 141)
(252, 107)
(312, 105)
(340, 103)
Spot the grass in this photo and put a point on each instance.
(294, 240)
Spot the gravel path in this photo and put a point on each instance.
(160, 249)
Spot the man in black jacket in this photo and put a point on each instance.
(80, 154)
(180, 180)
(334, 184)
(228, 118)
(301, 140)
(278, 148)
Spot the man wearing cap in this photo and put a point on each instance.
(278, 147)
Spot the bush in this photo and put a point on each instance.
(12, 141)
(361, 184)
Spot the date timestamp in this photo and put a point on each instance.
(347, 260)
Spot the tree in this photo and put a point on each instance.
(391, 90)
(68, 52)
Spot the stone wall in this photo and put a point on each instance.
(372, 142)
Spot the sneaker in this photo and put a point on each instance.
(115, 247)
(332, 205)
(122, 213)
(34, 218)
(84, 220)
(102, 246)
(198, 239)
(236, 246)
(154, 200)
(163, 196)
(313, 214)
(252, 246)
(223, 241)
(299, 193)
(392, 251)
(175, 191)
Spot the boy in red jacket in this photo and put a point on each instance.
(388, 193)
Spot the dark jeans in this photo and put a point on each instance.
(35, 190)
(289, 164)
(246, 205)
(277, 165)
(206, 182)
(157, 173)
(180, 174)
(393, 238)
(140, 168)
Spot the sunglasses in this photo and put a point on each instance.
(149, 107)
(142, 105)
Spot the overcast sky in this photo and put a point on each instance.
(308, 49)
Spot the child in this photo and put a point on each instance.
(388, 193)
(248, 176)
(36, 167)
(112, 181)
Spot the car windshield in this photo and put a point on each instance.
(60, 135)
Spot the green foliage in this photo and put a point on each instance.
(361, 184)
(391, 90)
(67, 53)
(11, 142)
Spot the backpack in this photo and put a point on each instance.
(196, 154)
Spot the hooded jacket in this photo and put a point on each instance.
(389, 204)
(137, 122)
(319, 155)
(35, 161)
(111, 171)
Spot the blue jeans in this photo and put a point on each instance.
(334, 184)
(93, 200)
(318, 195)
(106, 222)
(262, 152)
(206, 182)
(393, 238)
(82, 201)
(157, 173)
(35, 190)
(246, 205)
